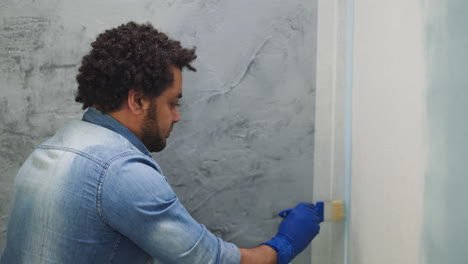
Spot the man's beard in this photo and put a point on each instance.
(151, 135)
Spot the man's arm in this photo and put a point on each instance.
(146, 210)
(262, 254)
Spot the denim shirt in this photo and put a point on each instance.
(93, 194)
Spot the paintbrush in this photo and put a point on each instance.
(328, 211)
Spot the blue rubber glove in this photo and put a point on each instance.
(299, 227)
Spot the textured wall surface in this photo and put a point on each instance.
(244, 147)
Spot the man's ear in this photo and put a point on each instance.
(137, 102)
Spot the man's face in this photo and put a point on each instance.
(162, 114)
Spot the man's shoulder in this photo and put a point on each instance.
(90, 139)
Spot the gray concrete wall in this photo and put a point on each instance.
(244, 147)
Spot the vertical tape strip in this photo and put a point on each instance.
(348, 116)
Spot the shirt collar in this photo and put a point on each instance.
(92, 115)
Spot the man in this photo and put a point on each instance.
(93, 194)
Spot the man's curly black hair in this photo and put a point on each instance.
(131, 56)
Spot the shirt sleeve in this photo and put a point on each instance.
(137, 201)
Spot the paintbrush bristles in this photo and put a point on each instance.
(338, 210)
(333, 211)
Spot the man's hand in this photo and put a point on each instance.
(299, 227)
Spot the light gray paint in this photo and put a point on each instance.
(445, 234)
(244, 147)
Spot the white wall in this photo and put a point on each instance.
(389, 132)
(409, 132)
